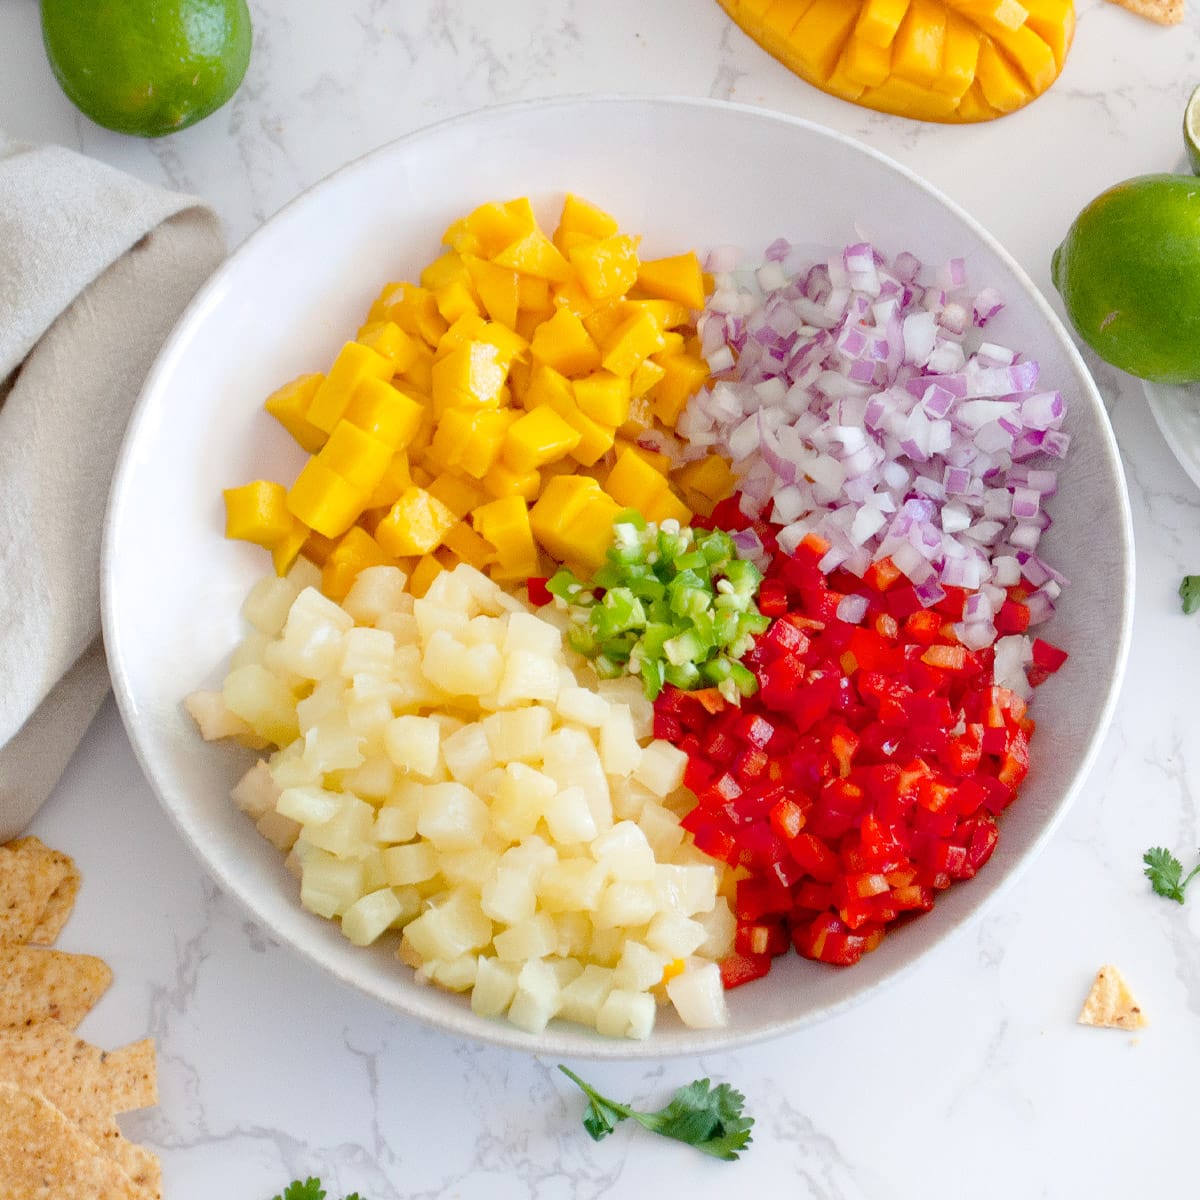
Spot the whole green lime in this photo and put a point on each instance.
(147, 67)
(1129, 274)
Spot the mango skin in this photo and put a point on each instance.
(948, 61)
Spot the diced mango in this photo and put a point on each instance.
(633, 341)
(467, 546)
(414, 525)
(564, 344)
(684, 375)
(538, 437)
(355, 455)
(580, 216)
(604, 397)
(459, 495)
(324, 500)
(355, 551)
(634, 483)
(573, 519)
(354, 363)
(391, 341)
(606, 268)
(679, 278)
(711, 476)
(289, 405)
(285, 552)
(456, 299)
(257, 512)
(396, 479)
(497, 287)
(504, 524)
(470, 376)
(426, 570)
(385, 412)
(502, 480)
(666, 506)
(411, 307)
(534, 254)
(645, 376)
(471, 440)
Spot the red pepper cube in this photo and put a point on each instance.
(912, 897)
(786, 818)
(751, 764)
(815, 855)
(535, 586)
(826, 939)
(698, 773)
(903, 601)
(1014, 765)
(881, 574)
(1012, 617)
(812, 896)
(759, 897)
(984, 836)
(737, 969)
(761, 937)
(755, 730)
(953, 602)
(728, 515)
(1046, 656)
(667, 726)
(923, 627)
(772, 598)
(945, 658)
(710, 835)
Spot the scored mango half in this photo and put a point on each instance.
(932, 60)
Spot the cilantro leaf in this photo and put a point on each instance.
(310, 1189)
(1165, 873)
(1189, 593)
(708, 1118)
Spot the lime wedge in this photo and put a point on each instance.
(1191, 130)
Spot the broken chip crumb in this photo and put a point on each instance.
(1110, 1003)
(1161, 12)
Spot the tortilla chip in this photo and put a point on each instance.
(1162, 12)
(1110, 1003)
(46, 1156)
(48, 985)
(30, 873)
(89, 1086)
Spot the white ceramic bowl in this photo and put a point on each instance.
(285, 301)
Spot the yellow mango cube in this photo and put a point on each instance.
(257, 512)
(467, 546)
(470, 376)
(391, 341)
(604, 397)
(534, 254)
(324, 500)
(457, 299)
(654, 458)
(591, 536)
(632, 342)
(424, 572)
(397, 478)
(498, 289)
(666, 506)
(710, 476)
(355, 455)
(385, 412)
(606, 268)
(459, 495)
(634, 483)
(449, 268)
(354, 363)
(580, 216)
(472, 441)
(285, 552)
(411, 307)
(679, 278)
(504, 524)
(604, 318)
(502, 480)
(684, 375)
(289, 405)
(539, 437)
(355, 551)
(486, 230)
(645, 376)
(414, 525)
(565, 344)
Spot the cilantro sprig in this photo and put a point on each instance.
(711, 1119)
(1189, 593)
(309, 1189)
(1165, 873)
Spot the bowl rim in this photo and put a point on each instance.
(571, 1041)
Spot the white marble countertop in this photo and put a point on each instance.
(969, 1076)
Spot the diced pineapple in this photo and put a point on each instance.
(687, 888)
(569, 817)
(640, 967)
(582, 998)
(411, 863)
(495, 987)
(675, 936)
(468, 754)
(374, 779)
(280, 831)
(527, 632)
(461, 670)
(256, 792)
(570, 759)
(452, 817)
(526, 676)
(471, 867)
(261, 700)
(414, 744)
(535, 937)
(376, 592)
(370, 916)
(571, 885)
(329, 885)
(626, 1014)
(454, 926)
(366, 650)
(267, 603)
(396, 818)
(308, 804)
(508, 897)
(662, 830)
(312, 634)
(661, 768)
(516, 735)
(721, 926)
(520, 801)
(626, 902)
(331, 744)
(620, 753)
(699, 996)
(537, 997)
(582, 705)
(347, 833)
(625, 854)
(213, 718)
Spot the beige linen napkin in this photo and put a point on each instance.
(95, 268)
